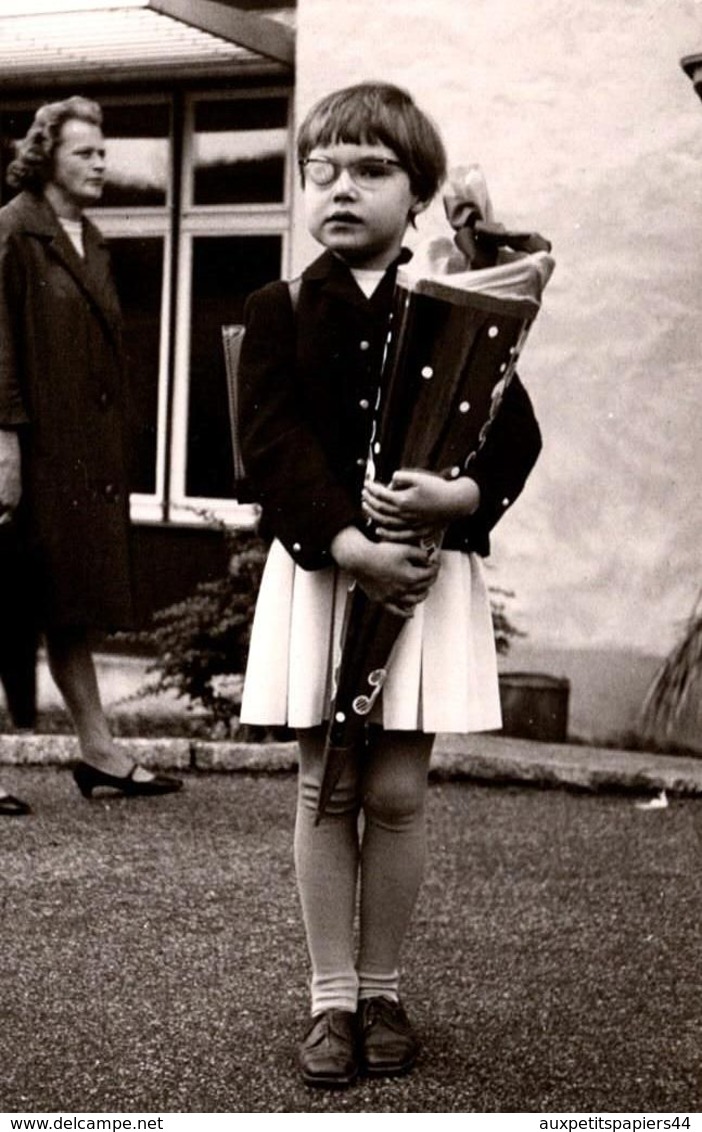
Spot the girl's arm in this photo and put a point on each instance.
(503, 464)
(305, 505)
(418, 504)
(471, 504)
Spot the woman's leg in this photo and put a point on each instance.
(326, 862)
(394, 787)
(18, 673)
(73, 670)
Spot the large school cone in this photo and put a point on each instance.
(453, 346)
(360, 680)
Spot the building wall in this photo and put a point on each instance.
(588, 131)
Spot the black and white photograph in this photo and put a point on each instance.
(350, 592)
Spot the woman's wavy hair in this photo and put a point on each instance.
(373, 113)
(32, 167)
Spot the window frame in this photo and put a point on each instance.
(211, 221)
(149, 221)
(153, 506)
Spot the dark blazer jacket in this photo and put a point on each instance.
(62, 386)
(308, 387)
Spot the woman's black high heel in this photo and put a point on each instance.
(87, 777)
(12, 807)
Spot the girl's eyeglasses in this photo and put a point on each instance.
(367, 173)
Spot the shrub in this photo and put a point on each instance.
(200, 644)
(503, 628)
(676, 689)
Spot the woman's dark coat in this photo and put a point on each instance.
(308, 385)
(62, 387)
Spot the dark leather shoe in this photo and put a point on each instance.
(329, 1053)
(89, 777)
(12, 807)
(388, 1046)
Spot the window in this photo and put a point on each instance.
(138, 137)
(138, 266)
(136, 216)
(233, 238)
(223, 271)
(196, 209)
(239, 151)
(14, 124)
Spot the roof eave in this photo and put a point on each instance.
(260, 34)
(692, 66)
(142, 75)
(261, 47)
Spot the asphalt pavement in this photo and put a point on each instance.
(153, 956)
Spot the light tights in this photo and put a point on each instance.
(373, 832)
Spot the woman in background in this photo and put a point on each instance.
(63, 467)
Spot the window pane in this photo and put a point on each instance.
(239, 151)
(138, 270)
(13, 127)
(225, 271)
(137, 140)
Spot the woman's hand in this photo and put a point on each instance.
(418, 505)
(396, 575)
(10, 474)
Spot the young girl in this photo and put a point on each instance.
(370, 162)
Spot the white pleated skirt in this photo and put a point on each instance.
(442, 674)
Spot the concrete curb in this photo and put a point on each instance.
(501, 760)
(482, 758)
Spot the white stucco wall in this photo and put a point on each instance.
(589, 131)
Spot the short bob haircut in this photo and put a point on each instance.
(32, 167)
(373, 113)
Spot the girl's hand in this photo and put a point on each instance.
(396, 575)
(417, 504)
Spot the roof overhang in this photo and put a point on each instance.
(64, 42)
(692, 66)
